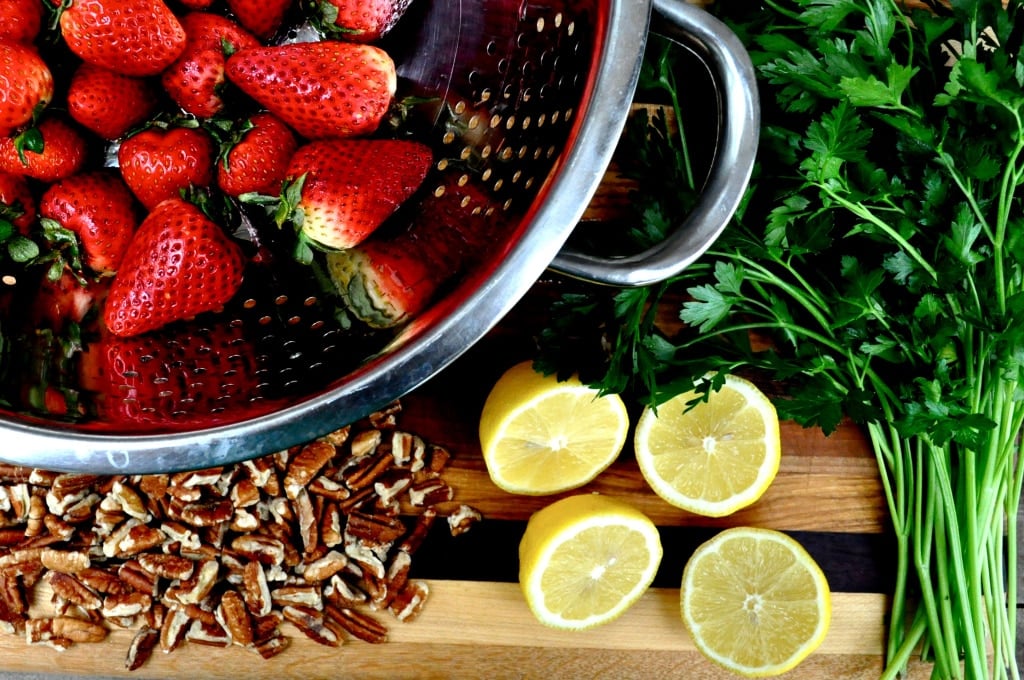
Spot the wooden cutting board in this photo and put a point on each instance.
(476, 625)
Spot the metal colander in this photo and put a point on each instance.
(523, 102)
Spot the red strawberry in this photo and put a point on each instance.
(203, 375)
(55, 150)
(386, 281)
(321, 89)
(133, 37)
(359, 20)
(28, 85)
(261, 17)
(348, 187)
(66, 299)
(158, 163)
(21, 20)
(195, 80)
(178, 265)
(258, 162)
(109, 103)
(100, 210)
(17, 205)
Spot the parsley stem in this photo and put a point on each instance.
(865, 213)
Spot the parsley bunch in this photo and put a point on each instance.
(880, 256)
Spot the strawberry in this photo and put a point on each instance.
(65, 299)
(199, 375)
(19, 104)
(21, 20)
(54, 150)
(261, 17)
(17, 205)
(100, 210)
(362, 21)
(109, 103)
(257, 163)
(179, 264)
(195, 80)
(132, 37)
(158, 163)
(321, 89)
(347, 187)
(385, 281)
(195, 4)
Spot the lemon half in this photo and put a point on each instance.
(715, 458)
(541, 436)
(755, 601)
(585, 559)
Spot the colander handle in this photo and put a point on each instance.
(733, 75)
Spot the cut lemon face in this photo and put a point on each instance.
(585, 559)
(755, 601)
(715, 458)
(541, 436)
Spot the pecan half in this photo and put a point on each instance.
(311, 623)
(357, 624)
(141, 648)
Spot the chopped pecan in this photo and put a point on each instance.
(141, 580)
(366, 471)
(266, 627)
(356, 623)
(272, 646)
(173, 567)
(58, 527)
(325, 567)
(309, 530)
(386, 418)
(172, 633)
(374, 530)
(255, 589)
(329, 488)
(70, 589)
(130, 501)
(64, 627)
(330, 525)
(126, 605)
(207, 513)
(196, 478)
(311, 623)
(364, 443)
(412, 540)
(462, 519)
(64, 561)
(263, 549)
(306, 465)
(409, 601)
(429, 492)
(195, 589)
(139, 538)
(245, 493)
(16, 474)
(341, 593)
(102, 581)
(234, 618)
(141, 648)
(438, 459)
(206, 633)
(299, 595)
(37, 512)
(22, 561)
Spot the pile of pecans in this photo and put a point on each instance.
(320, 536)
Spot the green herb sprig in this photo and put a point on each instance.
(880, 252)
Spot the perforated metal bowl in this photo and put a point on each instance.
(523, 103)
